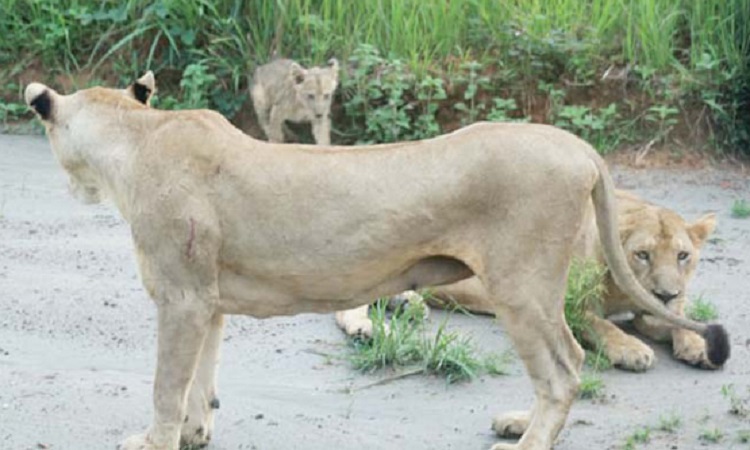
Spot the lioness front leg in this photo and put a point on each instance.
(622, 349)
(183, 323)
(202, 399)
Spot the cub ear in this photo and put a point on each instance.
(41, 99)
(333, 64)
(143, 88)
(701, 228)
(297, 72)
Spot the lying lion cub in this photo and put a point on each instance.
(226, 224)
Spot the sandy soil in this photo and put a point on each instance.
(77, 343)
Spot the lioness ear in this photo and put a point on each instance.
(143, 88)
(297, 73)
(701, 228)
(41, 99)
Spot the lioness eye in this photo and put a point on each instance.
(682, 256)
(642, 255)
(326, 96)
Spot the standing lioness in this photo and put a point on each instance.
(225, 224)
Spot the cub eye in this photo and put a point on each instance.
(326, 96)
(642, 255)
(683, 256)
(311, 96)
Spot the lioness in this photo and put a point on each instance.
(226, 224)
(663, 251)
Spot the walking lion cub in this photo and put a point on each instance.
(283, 90)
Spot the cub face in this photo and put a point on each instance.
(62, 113)
(663, 249)
(314, 87)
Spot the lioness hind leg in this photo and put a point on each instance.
(183, 324)
(552, 357)
(202, 400)
(512, 424)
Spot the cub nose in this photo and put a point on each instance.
(665, 295)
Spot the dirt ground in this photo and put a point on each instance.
(77, 336)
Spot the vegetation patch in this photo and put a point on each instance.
(702, 310)
(740, 209)
(404, 341)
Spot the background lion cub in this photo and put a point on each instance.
(284, 90)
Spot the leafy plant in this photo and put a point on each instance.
(471, 106)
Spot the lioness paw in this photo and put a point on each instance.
(136, 442)
(512, 424)
(631, 354)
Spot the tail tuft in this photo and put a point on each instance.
(717, 344)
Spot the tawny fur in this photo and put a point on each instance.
(225, 224)
(283, 90)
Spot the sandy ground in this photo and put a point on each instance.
(77, 343)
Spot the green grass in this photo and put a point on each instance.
(404, 341)
(584, 293)
(702, 310)
(740, 209)
(592, 386)
(738, 406)
(712, 435)
(669, 424)
(743, 436)
(639, 436)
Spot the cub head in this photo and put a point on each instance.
(315, 87)
(76, 126)
(663, 249)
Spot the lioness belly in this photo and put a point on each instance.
(287, 294)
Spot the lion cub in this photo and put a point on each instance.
(283, 90)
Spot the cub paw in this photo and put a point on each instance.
(631, 354)
(512, 424)
(359, 328)
(691, 348)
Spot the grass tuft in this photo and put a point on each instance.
(405, 342)
(740, 209)
(702, 310)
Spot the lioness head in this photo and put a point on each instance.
(63, 114)
(662, 248)
(315, 87)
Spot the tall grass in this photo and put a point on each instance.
(705, 42)
(85, 32)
